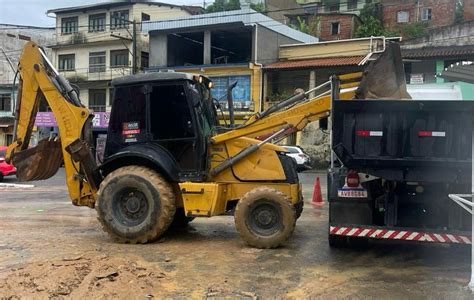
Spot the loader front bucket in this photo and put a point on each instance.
(384, 78)
(40, 162)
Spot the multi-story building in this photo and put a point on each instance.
(434, 13)
(329, 19)
(95, 43)
(226, 46)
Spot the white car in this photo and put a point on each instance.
(303, 161)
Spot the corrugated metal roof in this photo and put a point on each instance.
(246, 16)
(317, 62)
(432, 52)
(463, 73)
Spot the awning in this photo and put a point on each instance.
(434, 52)
(464, 73)
(315, 63)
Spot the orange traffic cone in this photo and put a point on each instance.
(317, 196)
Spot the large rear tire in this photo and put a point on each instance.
(265, 218)
(135, 205)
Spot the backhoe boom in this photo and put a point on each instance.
(39, 81)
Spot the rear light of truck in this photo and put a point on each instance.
(432, 133)
(352, 179)
(368, 133)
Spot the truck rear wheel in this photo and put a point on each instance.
(265, 218)
(135, 205)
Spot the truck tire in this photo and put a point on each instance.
(180, 220)
(337, 241)
(265, 218)
(135, 205)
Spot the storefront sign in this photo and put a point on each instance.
(46, 119)
(416, 79)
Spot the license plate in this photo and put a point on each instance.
(356, 193)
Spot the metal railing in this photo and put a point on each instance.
(85, 74)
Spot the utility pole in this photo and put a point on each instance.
(134, 48)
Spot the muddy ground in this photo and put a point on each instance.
(51, 249)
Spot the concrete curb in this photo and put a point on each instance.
(16, 186)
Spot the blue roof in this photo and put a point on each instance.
(247, 16)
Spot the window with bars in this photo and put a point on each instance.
(426, 14)
(97, 100)
(119, 19)
(119, 58)
(96, 62)
(67, 62)
(352, 4)
(335, 28)
(5, 102)
(69, 25)
(96, 22)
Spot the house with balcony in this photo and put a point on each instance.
(225, 46)
(95, 43)
(12, 40)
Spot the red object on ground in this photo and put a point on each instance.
(5, 169)
(317, 196)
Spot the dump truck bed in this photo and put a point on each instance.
(405, 140)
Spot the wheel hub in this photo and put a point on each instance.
(265, 217)
(133, 204)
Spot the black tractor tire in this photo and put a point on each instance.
(135, 205)
(180, 219)
(265, 218)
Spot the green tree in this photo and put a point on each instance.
(371, 23)
(371, 26)
(300, 25)
(414, 30)
(259, 7)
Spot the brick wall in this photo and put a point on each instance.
(442, 12)
(468, 14)
(346, 26)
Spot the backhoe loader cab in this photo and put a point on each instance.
(162, 117)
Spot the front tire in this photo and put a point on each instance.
(265, 218)
(135, 205)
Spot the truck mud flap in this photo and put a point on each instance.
(405, 234)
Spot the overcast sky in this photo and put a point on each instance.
(33, 12)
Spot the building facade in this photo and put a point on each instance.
(95, 43)
(226, 46)
(433, 13)
(12, 40)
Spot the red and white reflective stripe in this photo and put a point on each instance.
(368, 133)
(400, 235)
(432, 133)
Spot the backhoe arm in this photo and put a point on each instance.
(295, 118)
(39, 81)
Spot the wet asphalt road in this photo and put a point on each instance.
(40, 224)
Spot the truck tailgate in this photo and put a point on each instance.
(400, 135)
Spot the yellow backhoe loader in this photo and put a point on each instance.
(167, 158)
